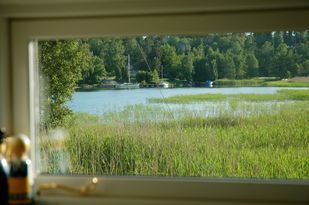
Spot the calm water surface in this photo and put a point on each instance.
(103, 101)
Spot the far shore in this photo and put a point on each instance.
(255, 82)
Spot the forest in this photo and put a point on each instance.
(191, 59)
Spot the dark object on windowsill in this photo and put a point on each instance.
(3, 171)
(19, 178)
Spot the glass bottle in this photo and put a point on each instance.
(19, 178)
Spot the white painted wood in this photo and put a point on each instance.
(83, 8)
(186, 189)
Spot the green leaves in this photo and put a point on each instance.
(61, 66)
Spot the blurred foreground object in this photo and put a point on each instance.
(19, 178)
(3, 171)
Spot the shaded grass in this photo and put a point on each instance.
(273, 145)
(281, 95)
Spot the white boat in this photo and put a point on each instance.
(163, 85)
(128, 85)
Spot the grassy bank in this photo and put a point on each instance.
(273, 145)
(281, 95)
(267, 81)
(242, 83)
(286, 83)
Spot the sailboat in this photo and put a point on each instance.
(128, 85)
(163, 84)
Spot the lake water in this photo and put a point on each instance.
(105, 101)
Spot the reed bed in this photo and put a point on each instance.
(270, 142)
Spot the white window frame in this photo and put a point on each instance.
(146, 190)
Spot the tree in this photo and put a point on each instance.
(95, 73)
(199, 52)
(252, 65)
(226, 66)
(288, 38)
(96, 46)
(183, 46)
(250, 44)
(260, 38)
(157, 64)
(200, 72)
(132, 48)
(265, 57)
(143, 76)
(155, 78)
(61, 64)
(115, 59)
(186, 68)
(205, 70)
(283, 63)
(170, 61)
(278, 38)
(302, 53)
(303, 68)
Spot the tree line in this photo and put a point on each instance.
(193, 59)
(198, 58)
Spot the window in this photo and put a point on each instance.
(221, 116)
(23, 31)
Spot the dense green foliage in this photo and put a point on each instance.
(209, 57)
(200, 58)
(61, 64)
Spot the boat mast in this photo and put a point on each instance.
(129, 80)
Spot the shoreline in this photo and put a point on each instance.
(221, 83)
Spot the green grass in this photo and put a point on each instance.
(281, 95)
(240, 83)
(286, 83)
(264, 81)
(189, 98)
(271, 145)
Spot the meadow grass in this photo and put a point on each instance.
(281, 95)
(240, 83)
(272, 145)
(266, 81)
(286, 83)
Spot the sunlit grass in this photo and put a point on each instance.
(266, 81)
(286, 83)
(281, 95)
(272, 145)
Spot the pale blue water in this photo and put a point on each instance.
(103, 101)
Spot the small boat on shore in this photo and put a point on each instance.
(163, 85)
(128, 85)
(209, 84)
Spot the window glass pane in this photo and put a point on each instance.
(218, 105)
